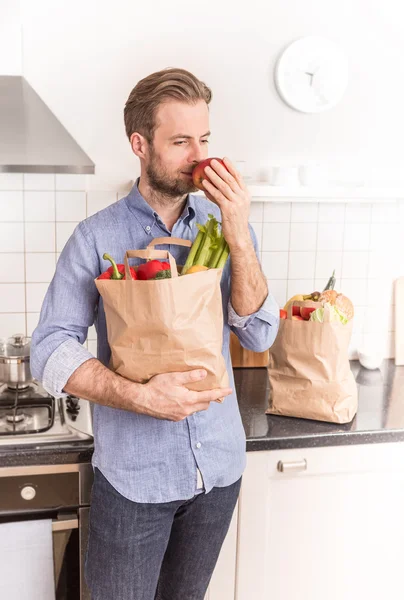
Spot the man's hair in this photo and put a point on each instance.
(162, 86)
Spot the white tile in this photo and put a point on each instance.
(40, 237)
(304, 212)
(358, 213)
(256, 212)
(92, 347)
(92, 333)
(71, 182)
(356, 236)
(39, 181)
(301, 265)
(63, 233)
(275, 212)
(359, 317)
(11, 181)
(384, 235)
(355, 289)
(275, 237)
(12, 297)
(70, 206)
(12, 323)
(300, 286)
(32, 322)
(385, 212)
(11, 206)
(12, 268)
(98, 201)
(39, 206)
(278, 288)
(331, 213)
(258, 232)
(40, 267)
(275, 265)
(383, 263)
(355, 265)
(11, 237)
(326, 262)
(35, 295)
(380, 291)
(303, 236)
(330, 236)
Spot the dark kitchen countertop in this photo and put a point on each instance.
(380, 418)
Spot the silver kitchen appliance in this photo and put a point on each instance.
(32, 420)
(61, 493)
(14, 360)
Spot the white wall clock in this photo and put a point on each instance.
(311, 74)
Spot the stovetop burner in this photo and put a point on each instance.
(32, 416)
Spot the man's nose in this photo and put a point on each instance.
(198, 153)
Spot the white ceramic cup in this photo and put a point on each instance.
(284, 176)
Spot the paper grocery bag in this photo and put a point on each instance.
(165, 325)
(309, 371)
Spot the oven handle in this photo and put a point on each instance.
(65, 524)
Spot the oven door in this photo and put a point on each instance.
(70, 535)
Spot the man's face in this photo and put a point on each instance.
(180, 142)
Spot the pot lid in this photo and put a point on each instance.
(16, 346)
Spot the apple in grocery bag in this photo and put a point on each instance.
(198, 174)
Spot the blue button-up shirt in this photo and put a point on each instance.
(144, 458)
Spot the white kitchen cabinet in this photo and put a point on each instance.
(334, 530)
(223, 579)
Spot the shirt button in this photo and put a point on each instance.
(198, 444)
(148, 228)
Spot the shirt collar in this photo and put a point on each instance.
(147, 216)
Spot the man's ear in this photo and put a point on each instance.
(139, 144)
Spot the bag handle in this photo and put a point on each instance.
(150, 253)
(173, 240)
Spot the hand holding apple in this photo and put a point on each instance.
(224, 186)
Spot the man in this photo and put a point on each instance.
(168, 461)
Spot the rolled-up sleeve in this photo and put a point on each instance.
(67, 312)
(256, 332)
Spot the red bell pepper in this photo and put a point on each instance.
(149, 269)
(116, 271)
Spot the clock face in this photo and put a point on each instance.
(311, 75)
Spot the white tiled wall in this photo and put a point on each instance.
(300, 245)
(37, 215)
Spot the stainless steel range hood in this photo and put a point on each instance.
(32, 140)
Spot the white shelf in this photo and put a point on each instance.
(262, 192)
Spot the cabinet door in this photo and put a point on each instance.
(332, 530)
(222, 584)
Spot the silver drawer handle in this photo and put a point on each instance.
(65, 524)
(292, 466)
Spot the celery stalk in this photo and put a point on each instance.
(205, 247)
(217, 253)
(194, 250)
(223, 257)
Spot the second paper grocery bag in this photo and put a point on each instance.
(167, 325)
(309, 371)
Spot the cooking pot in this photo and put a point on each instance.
(14, 361)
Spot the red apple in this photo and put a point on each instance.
(296, 311)
(297, 318)
(283, 314)
(198, 174)
(305, 312)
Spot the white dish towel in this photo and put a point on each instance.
(26, 561)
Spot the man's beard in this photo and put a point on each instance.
(165, 183)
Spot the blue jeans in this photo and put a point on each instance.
(164, 551)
